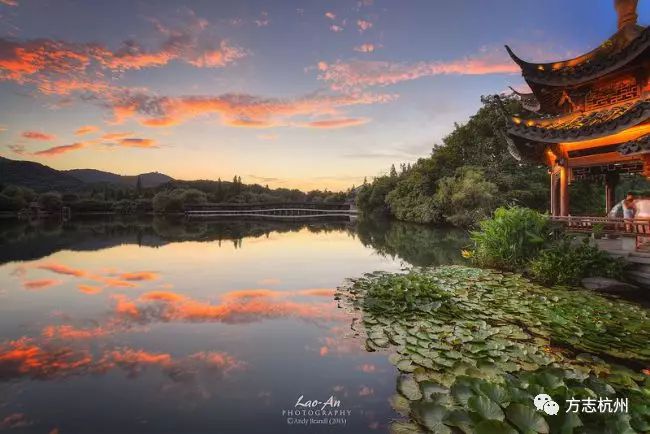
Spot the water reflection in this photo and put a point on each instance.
(170, 326)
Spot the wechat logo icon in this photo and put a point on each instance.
(546, 404)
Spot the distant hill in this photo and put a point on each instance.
(92, 176)
(36, 176)
(43, 178)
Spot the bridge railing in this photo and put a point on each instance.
(269, 205)
(280, 210)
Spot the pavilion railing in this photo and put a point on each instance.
(605, 224)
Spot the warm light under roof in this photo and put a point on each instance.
(620, 137)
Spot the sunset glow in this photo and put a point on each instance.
(309, 96)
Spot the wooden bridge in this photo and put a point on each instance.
(272, 210)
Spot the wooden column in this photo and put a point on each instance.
(553, 199)
(610, 189)
(564, 191)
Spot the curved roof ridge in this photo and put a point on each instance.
(613, 53)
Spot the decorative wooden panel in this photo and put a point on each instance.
(612, 93)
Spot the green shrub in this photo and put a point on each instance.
(511, 238)
(567, 263)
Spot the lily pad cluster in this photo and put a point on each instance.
(474, 347)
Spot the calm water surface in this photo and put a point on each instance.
(143, 326)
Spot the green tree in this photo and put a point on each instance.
(50, 201)
(465, 198)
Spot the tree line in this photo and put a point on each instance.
(470, 174)
(170, 197)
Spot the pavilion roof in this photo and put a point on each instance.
(580, 126)
(636, 146)
(611, 55)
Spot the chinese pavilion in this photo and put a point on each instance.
(589, 117)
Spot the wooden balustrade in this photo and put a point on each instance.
(621, 226)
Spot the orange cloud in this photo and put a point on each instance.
(58, 150)
(89, 289)
(132, 142)
(357, 75)
(40, 283)
(330, 15)
(338, 123)
(214, 359)
(12, 3)
(61, 67)
(86, 129)
(114, 283)
(323, 351)
(115, 136)
(251, 293)
(234, 109)
(139, 276)
(319, 292)
(23, 358)
(131, 357)
(236, 306)
(62, 269)
(68, 332)
(37, 135)
(126, 307)
(166, 296)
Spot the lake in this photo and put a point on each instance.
(162, 326)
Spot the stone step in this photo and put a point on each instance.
(639, 277)
(638, 260)
(636, 265)
(618, 253)
(638, 254)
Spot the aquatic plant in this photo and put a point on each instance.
(567, 262)
(473, 347)
(511, 238)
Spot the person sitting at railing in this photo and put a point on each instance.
(629, 209)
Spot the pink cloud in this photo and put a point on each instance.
(364, 25)
(37, 135)
(239, 110)
(62, 269)
(58, 150)
(263, 20)
(62, 67)
(338, 123)
(86, 129)
(336, 28)
(12, 3)
(132, 142)
(365, 48)
(330, 15)
(115, 136)
(357, 75)
(37, 284)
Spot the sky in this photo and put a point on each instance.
(301, 94)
